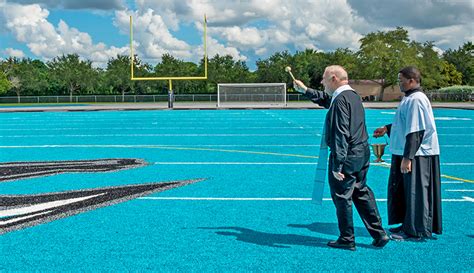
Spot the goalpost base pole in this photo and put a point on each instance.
(170, 95)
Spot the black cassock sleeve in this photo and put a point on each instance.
(319, 97)
(340, 133)
(389, 129)
(412, 144)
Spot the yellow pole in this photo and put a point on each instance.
(205, 47)
(131, 48)
(170, 94)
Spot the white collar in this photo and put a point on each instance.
(339, 90)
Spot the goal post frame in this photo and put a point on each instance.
(168, 78)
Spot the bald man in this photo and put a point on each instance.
(346, 136)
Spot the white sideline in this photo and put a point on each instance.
(464, 199)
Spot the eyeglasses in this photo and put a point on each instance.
(403, 80)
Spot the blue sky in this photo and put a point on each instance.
(245, 29)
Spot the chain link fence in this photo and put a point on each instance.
(120, 98)
(433, 95)
(436, 95)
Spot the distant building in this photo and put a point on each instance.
(369, 90)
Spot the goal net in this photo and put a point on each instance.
(251, 94)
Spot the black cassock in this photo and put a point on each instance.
(346, 136)
(414, 198)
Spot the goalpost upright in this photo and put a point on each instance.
(168, 78)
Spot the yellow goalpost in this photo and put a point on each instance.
(168, 78)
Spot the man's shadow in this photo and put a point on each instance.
(273, 239)
(269, 239)
(330, 229)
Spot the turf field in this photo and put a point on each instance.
(252, 211)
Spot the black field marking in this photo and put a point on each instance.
(21, 170)
(22, 211)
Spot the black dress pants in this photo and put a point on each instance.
(353, 189)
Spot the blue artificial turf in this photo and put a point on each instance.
(218, 235)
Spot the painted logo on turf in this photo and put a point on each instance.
(22, 211)
(21, 170)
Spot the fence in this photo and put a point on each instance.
(120, 98)
(450, 96)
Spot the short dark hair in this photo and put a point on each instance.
(411, 72)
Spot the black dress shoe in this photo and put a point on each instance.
(342, 245)
(402, 236)
(381, 242)
(395, 229)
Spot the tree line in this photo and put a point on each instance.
(379, 58)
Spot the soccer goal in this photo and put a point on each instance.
(251, 95)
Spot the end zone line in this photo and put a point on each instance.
(464, 199)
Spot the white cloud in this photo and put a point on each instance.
(29, 24)
(444, 37)
(214, 48)
(242, 36)
(245, 29)
(75, 4)
(10, 52)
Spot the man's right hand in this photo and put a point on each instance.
(299, 86)
(379, 132)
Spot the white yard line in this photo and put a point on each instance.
(464, 199)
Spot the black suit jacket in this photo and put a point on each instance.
(346, 132)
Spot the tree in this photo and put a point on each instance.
(33, 75)
(308, 66)
(224, 69)
(430, 65)
(450, 75)
(118, 75)
(273, 68)
(171, 66)
(383, 54)
(73, 74)
(346, 58)
(11, 68)
(5, 84)
(463, 60)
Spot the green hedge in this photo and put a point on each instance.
(452, 93)
(457, 89)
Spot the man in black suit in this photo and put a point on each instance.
(346, 136)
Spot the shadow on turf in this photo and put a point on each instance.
(272, 239)
(329, 229)
(269, 239)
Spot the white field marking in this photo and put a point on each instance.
(387, 163)
(388, 113)
(468, 199)
(455, 134)
(464, 199)
(44, 206)
(197, 145)
(457, 127)
(191, 146)
(457, 146)
(451, 182)
(235, 163)
(451, 118)
(158, 121)
(457, 164)
(4, 223)
(153, 146)
(149, 128)
(461, 190)
(177, 118)
(164, 135)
